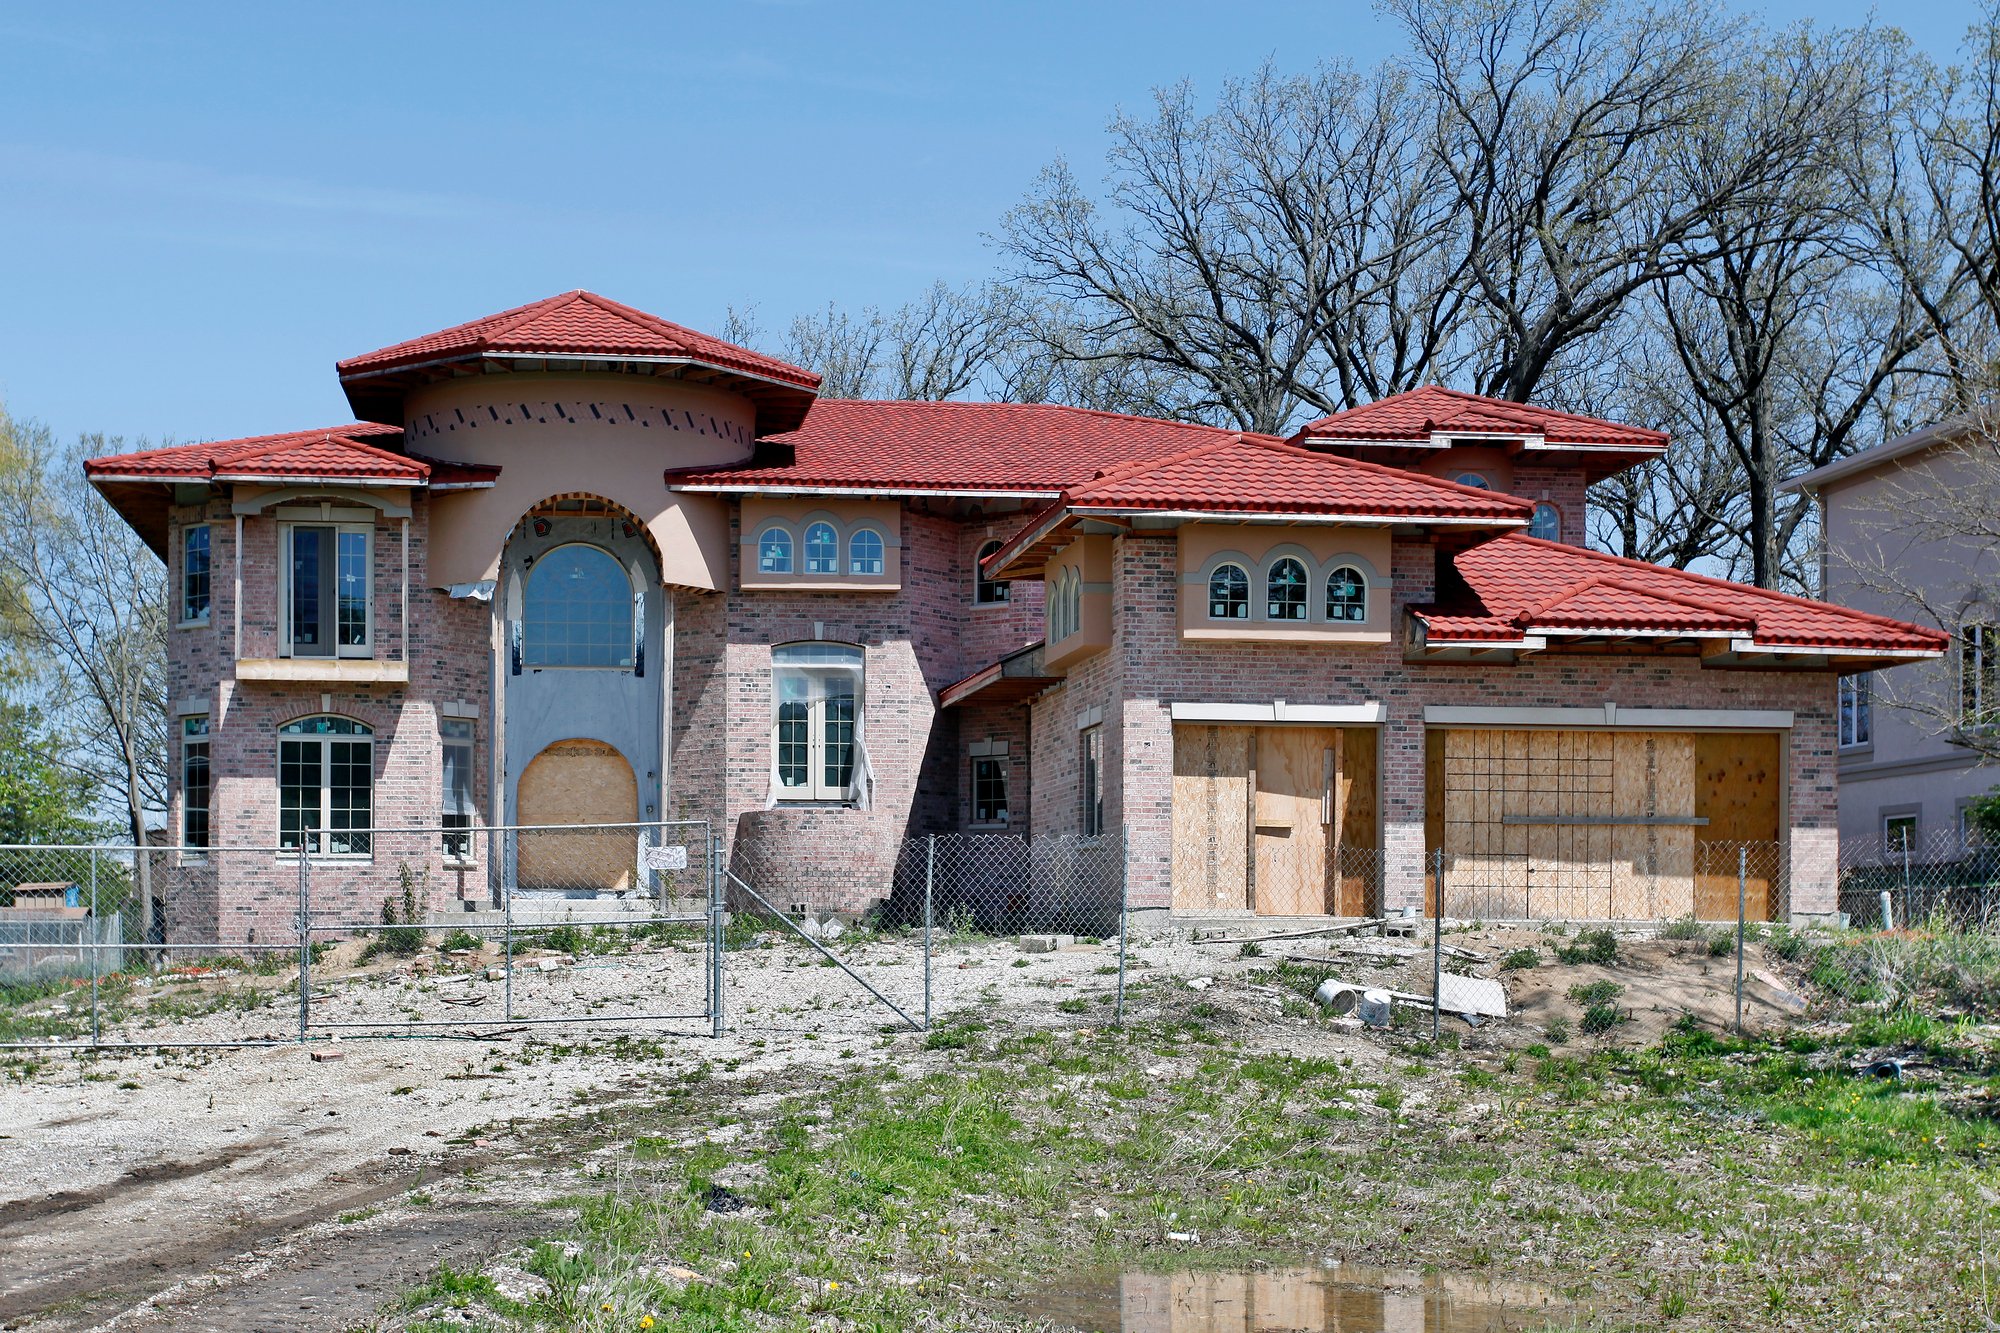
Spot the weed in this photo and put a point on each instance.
(1520, 960)
(400, 934)
(1596, 993)
(1558, 1030)
(1591, 946)
(1722, 943)
(1685, 928)
(461, 939)
(1250, 949)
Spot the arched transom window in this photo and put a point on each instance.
(1229, 593)
(1347, 595)
(578, 610)
(1285, 590)
(822, 549)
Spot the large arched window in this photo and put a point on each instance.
(864, 552)
(822, 549)
(818, 687)
(774, 551)
(326, 786)
(578, 610)
(1547, 523)
(1347, 596)
(1229, 593)
(987, 591)
(1285, 590)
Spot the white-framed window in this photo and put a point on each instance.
(1473, 479)
(328, 593)
(195, 783)
(1979, 675)
(989, 791)
(1899, 835)
(578, 610)
(822, 549)
(818, 688)
(1090, 787)
(985, 591)
(774, 551)
(1546, 523)
(1285, 590)
(1857, 710)
(1347, 596)
(326, 786)
(455, 741)
(1228, 593)
(867, 553)
(194, 574)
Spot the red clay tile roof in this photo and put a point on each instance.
(335, 451)
(576, 324)
(903, 446)
(1257, 475)
(1413, 417)
(1523, 585)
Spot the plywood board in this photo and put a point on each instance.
(577, 782)
(1358, 840)
(1292, 822)
(1211, 801)
(1739, 789)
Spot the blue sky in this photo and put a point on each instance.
(202, 206)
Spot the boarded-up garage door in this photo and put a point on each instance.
(1279, 820)
(577, 782)
(1568, 824)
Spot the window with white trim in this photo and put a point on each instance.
(194, 782)
(866, 552)
(774, 551)
(455, 766)
(1857, 708)
(1285, 590)
(194, 574)
(989, 792)
(1547, 522)
(578, 610)
(1228, 593)
(1347, 596)
(328, 590)
(326, 786)
(985, 591)
(818, 688)
(1090, 764)
(1979, 675)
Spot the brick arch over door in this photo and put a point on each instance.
(578, 782)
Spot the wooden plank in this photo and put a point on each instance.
(578, 782)
(1209, 869)
(1360, 824)
(1291, 841)
(1739, 787)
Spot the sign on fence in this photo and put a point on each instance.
(672, 857)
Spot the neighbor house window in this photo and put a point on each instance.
(818, 689)
(1547, 523)
(986, 591)
(328, 590)
(1899, 836)
(1090, 742)
(326, 786)
(865, 552)
(1979, 675)
(194, 573)
(1229, 593)
(578, 610)
(774, 552)
(989, 792)
(194, 782)
(1346, 595)
(822, 549)
(1285, 590)
(1856, 710)
(455, 738)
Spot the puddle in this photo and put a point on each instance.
(1346, 1299)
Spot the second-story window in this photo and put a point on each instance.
(194, 573)
(328, 591)
(1229, 593)
(865, 552)
(986, 591)
(1287, 591)
(1856, 710)
(1979, 675)
(774, 552)
(579, 610)
(1346, 596)
(822, 549)
(1547, 523)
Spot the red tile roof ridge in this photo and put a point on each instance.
(1067, 409)
(1709, 580)
(1531, 416)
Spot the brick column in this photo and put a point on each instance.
(1402, 760)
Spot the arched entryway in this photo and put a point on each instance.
(578, 782)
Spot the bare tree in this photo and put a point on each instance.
(86, 605)
(945, 344)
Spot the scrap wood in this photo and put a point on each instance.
(1297, 934)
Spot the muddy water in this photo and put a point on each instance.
(1345, 1299)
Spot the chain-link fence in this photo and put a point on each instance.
(1909, 880)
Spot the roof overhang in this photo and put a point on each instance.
(1013, 679)
(1740, 652)
(782, 489)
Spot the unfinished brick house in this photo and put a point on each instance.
(575, 564)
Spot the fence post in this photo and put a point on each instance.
(507, 878)
(1124, 914)
(715, 931)
(1742, 889)
(305, 939)
(97, 941)
(1437, 951)
(930, 877)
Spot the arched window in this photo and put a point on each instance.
(1229, 593)
(1065, 604)
(774, 552)
(1473, 479)
(1285, 591)
(1547, 523)
(1347, 595)
(987, 591)
(822, 549)
(577, 611)
(326, 786)
(864, 552)
(818, 687)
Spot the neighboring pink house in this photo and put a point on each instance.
(577, 564)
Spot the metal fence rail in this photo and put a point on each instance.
(1910, 881)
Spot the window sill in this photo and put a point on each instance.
(203, 623)
(333, 670)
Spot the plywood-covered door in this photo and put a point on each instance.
(1295, 771)
(1357, 843)
(1211, 818)
(577, 782)
(1739, 788)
